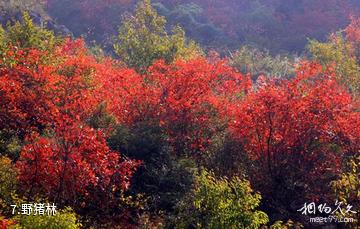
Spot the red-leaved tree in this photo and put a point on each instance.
(296, 132)
(183, 98)
(48, 104)
(74, 161)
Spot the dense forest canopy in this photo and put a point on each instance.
(180, 113)
(278, 25)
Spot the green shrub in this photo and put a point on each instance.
(8, 182)
(64, 219)
(338, 54)
(259, 62)
(220, 203)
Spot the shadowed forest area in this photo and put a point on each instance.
(179, 114)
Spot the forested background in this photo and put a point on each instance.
(179, 113)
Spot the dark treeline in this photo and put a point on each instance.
(277, 25)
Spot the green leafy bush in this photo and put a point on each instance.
(64, 219)
(347, 187)
(338, 54)
(28, 35)
(8, 182)
(257, 62)
(24, 36)
(220, 203)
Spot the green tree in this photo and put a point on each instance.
(220, 203)
(64, 219)
(259, 62)
(339, 54)
(143, 39)
(347, 187)
(163, 178)
(8, 183)
(27, 35)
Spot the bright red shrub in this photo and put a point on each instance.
(66, 165)
(297, 130)
(183, 98)
(188, 96)
(6, 223)
(48, 103)
(123, 91)
(35, 91)
(24, 102)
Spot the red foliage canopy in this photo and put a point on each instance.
(299, 128)
(183, 98)
(49, 104)
(75, 159)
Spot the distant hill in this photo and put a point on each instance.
(278, 25)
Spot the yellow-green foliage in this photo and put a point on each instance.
(338, 54)
(28, 35)
(143, 39)
(10, 144)
(64, 219)
(8, 182)
(347, 188)
(256, 62)
(221, 203)
(24, 36)
(283, 225)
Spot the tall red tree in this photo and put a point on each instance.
(68, 165)
(297, 133)
(50, 103)
(184, 99)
